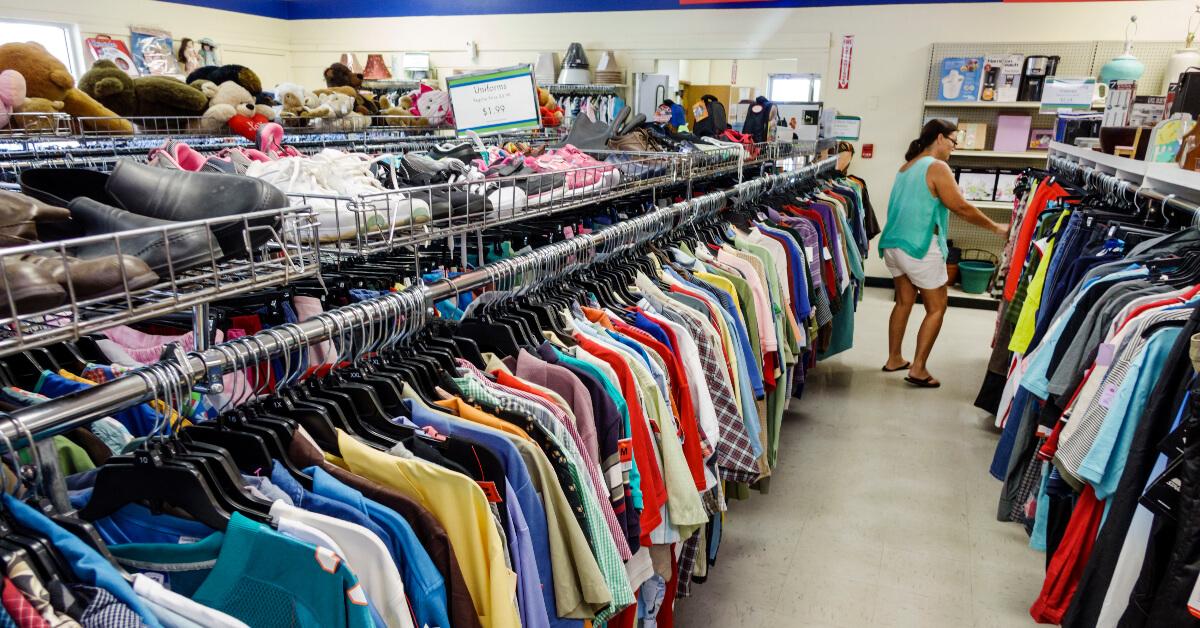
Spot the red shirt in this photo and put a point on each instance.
(654, 490)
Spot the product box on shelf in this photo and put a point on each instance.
(977, 184)
(1012, 133)
(1006, 183)
(1002, 76)
(972, 136)
(961, 78)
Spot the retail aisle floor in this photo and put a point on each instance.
(881, 512)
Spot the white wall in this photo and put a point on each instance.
(256, 42)
(890, 63)
(891, 50)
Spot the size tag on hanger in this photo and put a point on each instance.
(490, 492)
(625, 451)
(825, 254)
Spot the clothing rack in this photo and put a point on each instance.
(389, 318)
(1129, 180)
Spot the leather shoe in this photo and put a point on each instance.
(188, 247)
(20, 216)
(181, 195)
(32, 288)
(96, 277)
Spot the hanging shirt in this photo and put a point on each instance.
(310, 588)
(462, 509)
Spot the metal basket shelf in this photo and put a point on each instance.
(380, 222)
(279, 260)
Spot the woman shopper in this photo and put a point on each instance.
(913, 243)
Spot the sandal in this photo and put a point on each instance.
(906, 365)
(926, 382)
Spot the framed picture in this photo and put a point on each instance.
(1039, 139)
(977, 184)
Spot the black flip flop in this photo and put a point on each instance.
(926, 382)
(885, 369)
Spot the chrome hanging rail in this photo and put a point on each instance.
(397, 309)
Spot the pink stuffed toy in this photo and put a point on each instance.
(12, 94)
(434, 105)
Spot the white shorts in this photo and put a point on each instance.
(927, 273)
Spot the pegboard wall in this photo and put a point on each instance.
(1077, 59)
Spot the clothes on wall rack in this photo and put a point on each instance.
(559, 452)
(1088, 377)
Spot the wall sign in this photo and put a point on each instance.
(494, 100)
(844, 61)
(847, 127)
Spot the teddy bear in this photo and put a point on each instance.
(400, 114)
(38, 115)
(47, 77)
(231, 105)
(144, 96)
(339, 75)
(12, 94)
(334, 109)
(551, 113)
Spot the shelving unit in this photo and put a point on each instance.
(986, 205)
(961, 104)
(995, 154)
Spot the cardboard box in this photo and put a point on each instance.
(1012, 133)
(960, 78)
(972, 136)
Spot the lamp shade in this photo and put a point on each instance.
(545, 68)
(575, 58)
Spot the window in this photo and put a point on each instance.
(59, 39)
(794, 87)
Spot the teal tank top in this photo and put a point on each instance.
(914, 214)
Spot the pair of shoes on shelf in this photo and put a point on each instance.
(139, 196)
(344, 190)
(38, 281)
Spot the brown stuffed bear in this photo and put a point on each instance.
(338, 75)
(47, 77)
(32, 121)
(144, 96)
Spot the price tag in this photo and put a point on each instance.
(1072, 94)
(490, 492)
(494, 100)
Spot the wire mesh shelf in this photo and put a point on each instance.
(188, 268)
(379, 222)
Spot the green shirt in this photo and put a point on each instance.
(914, 214)
(257, 575)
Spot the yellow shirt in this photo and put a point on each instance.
(1027, 321)
(459, 505)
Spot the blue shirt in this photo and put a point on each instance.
(422, 581)
(531, 554)
(140, 420)
(89, 566)
(319, 504)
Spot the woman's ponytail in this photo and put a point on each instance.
(914, 149)
(932, 130)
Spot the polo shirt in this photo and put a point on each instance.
(460, 506)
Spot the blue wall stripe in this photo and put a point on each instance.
(324, 9)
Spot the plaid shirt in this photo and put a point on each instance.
(607, 557)
(735, 454)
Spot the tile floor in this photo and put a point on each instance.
(881, 512)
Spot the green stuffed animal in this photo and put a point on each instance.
(144, 96)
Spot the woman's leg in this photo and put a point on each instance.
(935, 311)
(906, 296)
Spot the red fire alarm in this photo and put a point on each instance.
(868, 150)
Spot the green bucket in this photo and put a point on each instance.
(975, 275)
